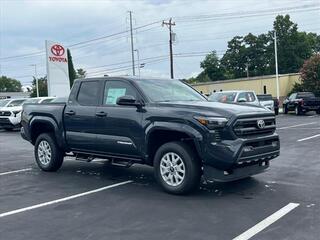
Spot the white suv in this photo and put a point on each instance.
(10, 113)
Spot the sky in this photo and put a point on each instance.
(97, 32)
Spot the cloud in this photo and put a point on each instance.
(25, 25)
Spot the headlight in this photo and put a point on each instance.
(16, 113)
(212, 122)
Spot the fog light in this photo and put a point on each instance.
(274, 144)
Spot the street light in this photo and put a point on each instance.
(36, 77)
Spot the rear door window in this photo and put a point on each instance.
(89, 93)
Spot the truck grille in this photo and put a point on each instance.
(254, 126)
(5, 114)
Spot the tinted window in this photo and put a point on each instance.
(115, 89)
(248, 96)
(88, 93)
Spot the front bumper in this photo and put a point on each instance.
(229, 160)
(6, 123)
(213, 174)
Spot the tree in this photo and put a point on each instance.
(212, 68)
(9, 84)
(81, 73)
(72, 72)
(43, 87)
(254, 55)
(310, 75)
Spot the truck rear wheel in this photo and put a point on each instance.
(177, 169)
(49, 156)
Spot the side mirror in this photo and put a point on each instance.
(128, 100)
(241, 100)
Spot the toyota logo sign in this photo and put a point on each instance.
(57, 50)
(261, 124)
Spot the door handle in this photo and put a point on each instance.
(101, 114)
(70, 113)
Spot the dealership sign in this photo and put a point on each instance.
(57, 70)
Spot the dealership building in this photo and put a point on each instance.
(260, 85)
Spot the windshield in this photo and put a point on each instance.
(222, 97)
(16, 103)
(3, 103)
(169, 91)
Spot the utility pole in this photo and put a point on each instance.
(132, 51)
(36, 77)
(138, 55)
(170, 24)
(276, 63)
(247, 69)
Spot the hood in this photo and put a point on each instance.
(217, 108)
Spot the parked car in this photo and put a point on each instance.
(248, 97)
(267, 101)
(39, 100)
(162, 123)
(301, 102)
(10, 113)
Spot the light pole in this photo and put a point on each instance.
(276, 63)
(36, 77)
(138, 55)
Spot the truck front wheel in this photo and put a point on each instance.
(177, 169)
(49, 156)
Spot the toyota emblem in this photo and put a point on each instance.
(57, 50)
(261, 124)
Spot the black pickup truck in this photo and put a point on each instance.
(162, 123)
(301, 102)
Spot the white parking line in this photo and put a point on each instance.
(298, 125)
(15, 171)
(62, 199)
(267, 222)
(307, 138)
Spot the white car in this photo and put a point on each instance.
(266, 100)
(39, 100)
(10, 113)
(248, 97)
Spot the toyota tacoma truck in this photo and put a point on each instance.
(301, 103)
(162, 123)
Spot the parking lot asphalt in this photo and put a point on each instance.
(81, 200)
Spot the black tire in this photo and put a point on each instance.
(55, 159)
(285, 109)
(191, 179)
